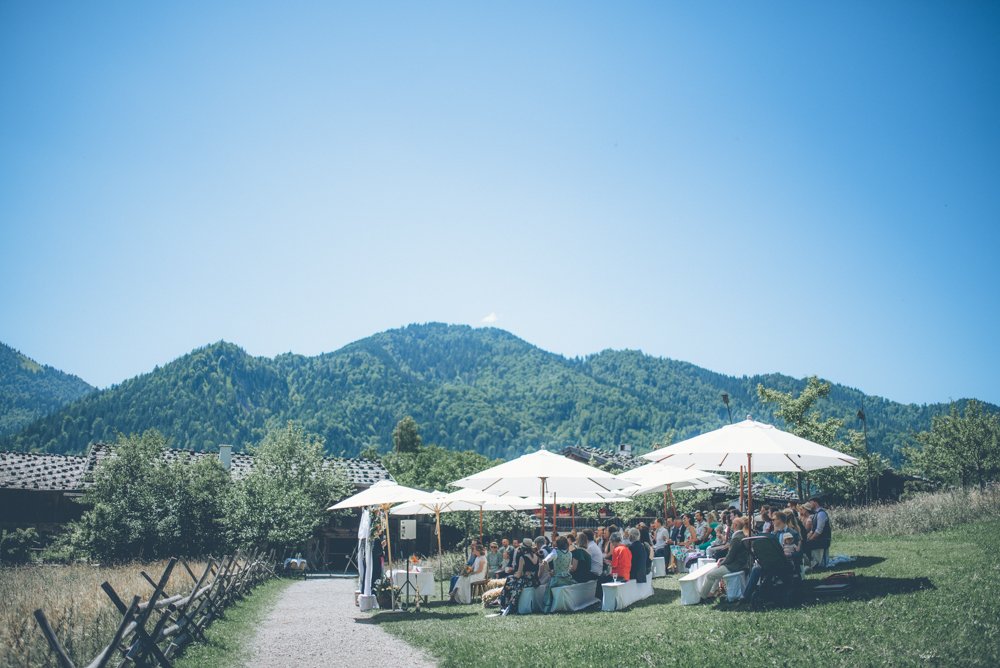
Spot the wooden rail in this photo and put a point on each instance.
(151, 632)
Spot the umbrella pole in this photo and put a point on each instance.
(673, 508)
(388, 546)
(573, 519)
(750, 492)
(555, 516)
(437, 521)
(543, 505)
(742, 507)
(480, 524)
(664, 505)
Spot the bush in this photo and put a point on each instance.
(15, 546)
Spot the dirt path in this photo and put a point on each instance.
(315, 623)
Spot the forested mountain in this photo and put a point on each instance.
(469, 389)
(29, 390)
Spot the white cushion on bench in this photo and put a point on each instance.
(620, 595)
(571, 598)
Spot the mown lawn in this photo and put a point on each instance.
(930, 599)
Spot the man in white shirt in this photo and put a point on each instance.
(595, 552)
(660, 537)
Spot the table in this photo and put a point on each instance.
(422, 579)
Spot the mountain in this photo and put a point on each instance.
(29, 390)
(477, 389)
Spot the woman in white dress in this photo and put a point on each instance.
(462, 592)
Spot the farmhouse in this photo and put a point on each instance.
(42, 490)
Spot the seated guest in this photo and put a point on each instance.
(621, 559)
(543, 570)
(596, 554)
(720, 546)
(820, 533)
(639, 556)
(702, 531)
(560, 565)
(580, 569)
(525, 575)
(461, 592)
(738, 559)
(494, 560)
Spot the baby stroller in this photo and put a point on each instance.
(779, 579)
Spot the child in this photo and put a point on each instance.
(789, 546)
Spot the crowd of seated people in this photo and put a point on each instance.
(610, 553)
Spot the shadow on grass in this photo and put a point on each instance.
(859, 562)
(866, 588)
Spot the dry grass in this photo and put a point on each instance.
(926, 512)
(80, 612)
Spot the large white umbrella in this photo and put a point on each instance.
(383, 494)
(544, 471)
(459, 500)
(759, 446)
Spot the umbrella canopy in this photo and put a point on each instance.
(563, 476)
(382, 493)
(658, 477)
(594, 497)
(545, 473)
(459, 500)
(769, 448)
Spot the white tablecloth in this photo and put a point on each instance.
(423, 580)
(620, 595)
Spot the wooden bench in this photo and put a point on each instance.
(478, 588)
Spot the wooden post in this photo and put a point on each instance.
(673, 508)
(555, 520)
(664, 505)
(573, 518)
(742, 506)
(750, 492)
(542, 504)
(480, 524)
(437, 522)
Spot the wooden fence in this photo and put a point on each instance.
(151, 632)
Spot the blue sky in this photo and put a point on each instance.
(810, 188)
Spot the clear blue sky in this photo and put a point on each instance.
(810, 188)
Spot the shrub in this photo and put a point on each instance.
(15, 546)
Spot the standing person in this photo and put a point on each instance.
(738, 559)
(660, 537)
(820, 534)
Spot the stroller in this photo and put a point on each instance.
(780, 581)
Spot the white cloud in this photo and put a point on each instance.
(491, 319)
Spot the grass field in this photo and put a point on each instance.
(928, 599)
(81, 614)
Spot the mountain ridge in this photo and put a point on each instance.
(483, 389)
(30, 390)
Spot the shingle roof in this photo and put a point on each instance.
(20, 470)
(602, 457)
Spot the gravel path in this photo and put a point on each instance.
(315, 623)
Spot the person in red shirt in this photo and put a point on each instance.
(621, 558)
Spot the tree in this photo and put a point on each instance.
(406, 436)
(283, 501)
(801, 417)
(960, 448)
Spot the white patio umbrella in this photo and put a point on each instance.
(763, 447)
(459, 500)
(659, 477)
(541, 471)
(383, 494)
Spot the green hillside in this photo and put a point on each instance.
(470, 389)
(29, 390)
